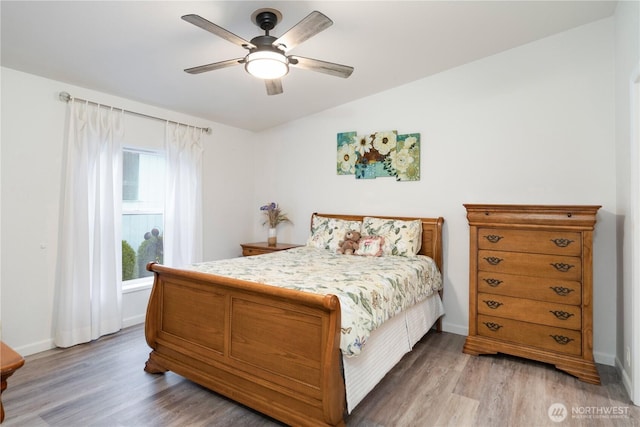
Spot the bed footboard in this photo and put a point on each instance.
(274, 350)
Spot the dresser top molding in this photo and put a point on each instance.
(579, 217)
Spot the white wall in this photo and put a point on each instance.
(32, 135)
(533, 125)
(628, 186)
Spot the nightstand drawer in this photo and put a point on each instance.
(543, 289)
(254, 251)
(545, 337)
(260, 248)
(551, 266)
(544, 313)
(541, 242)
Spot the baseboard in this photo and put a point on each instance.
(626, 380)
(455, 329)
(133, 320)
(29, 349)
(604, 358)
(44, 345)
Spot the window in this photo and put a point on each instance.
(142, 211)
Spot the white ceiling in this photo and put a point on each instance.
(138, 49)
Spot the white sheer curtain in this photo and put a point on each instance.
(88, 278)
(183, 201)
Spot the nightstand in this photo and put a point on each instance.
(259, 248)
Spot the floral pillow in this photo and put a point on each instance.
(327, 232)
(370, 246)
(401, 237)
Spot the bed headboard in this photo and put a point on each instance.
(431, 233)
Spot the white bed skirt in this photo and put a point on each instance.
(386, 346)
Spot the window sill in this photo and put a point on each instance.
(136, 285)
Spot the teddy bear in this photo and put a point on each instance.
(350, 243)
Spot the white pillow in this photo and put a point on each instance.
(327, 232)
(401, 237)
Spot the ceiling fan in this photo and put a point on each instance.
(267, 58)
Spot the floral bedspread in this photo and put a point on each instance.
(370, 289)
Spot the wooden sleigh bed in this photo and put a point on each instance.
(272, 349)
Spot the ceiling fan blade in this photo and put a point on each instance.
(199, 21)
(311, 25)
(331, 68)
(274, 87)
(214, 66)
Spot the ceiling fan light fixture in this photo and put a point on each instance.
(266, 64)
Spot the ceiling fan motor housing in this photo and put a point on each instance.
(262, 42)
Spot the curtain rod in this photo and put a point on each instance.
(65, 97)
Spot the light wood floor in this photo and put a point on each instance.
(103, 384)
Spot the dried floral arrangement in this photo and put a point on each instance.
(274, 215)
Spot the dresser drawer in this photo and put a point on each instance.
(541, 242)
(558, 340)
(543, 289)
(542, 312)
(550, 266)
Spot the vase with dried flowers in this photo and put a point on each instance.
(274, 216)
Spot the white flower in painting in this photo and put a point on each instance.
(401, 160)
(412, 173)
(363, 144)
(347, 158)
(410, 141)
(384, 142)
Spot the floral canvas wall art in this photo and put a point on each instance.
(405, 161)
(380, 154)
(346, 153)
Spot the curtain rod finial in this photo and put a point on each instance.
(64, 96)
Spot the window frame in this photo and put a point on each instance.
(139, 283)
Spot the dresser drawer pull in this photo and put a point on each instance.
(562, 315)
(563, 292)
(493, 260)
(493, 238)
(560, 339)
(562, 267)
(562, 243)
(492, 304)
(492, 282)
(492, 326)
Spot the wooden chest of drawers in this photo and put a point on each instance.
(530, 284)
